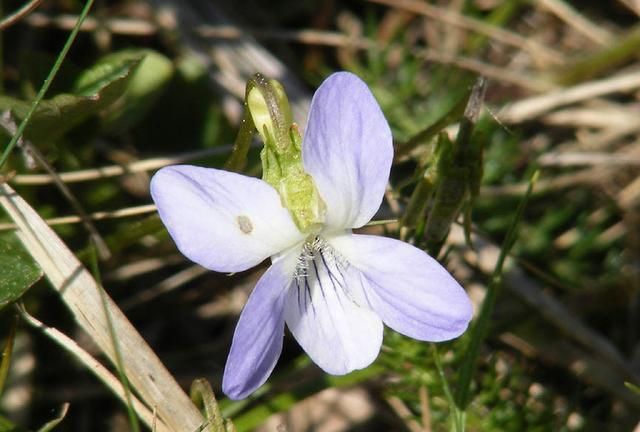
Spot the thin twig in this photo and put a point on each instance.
(632, 5)
(310, 37)
(499, 74)
(118, 170)
(13, 18)
(140, 27)
(587, 176)
(533, 107)
(115, 214)
(137, 268)
(9, 125)
(404, 413)
(93, 365)
(629, 197)
(578, 22)
(425, 408)
(169, 284)
(101, 245)
(121, 26)
(594, 117)
(586, 158)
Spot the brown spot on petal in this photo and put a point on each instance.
(244, 223)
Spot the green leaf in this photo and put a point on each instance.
(96, 89)
(147, 83)
(18, 271)
(7, 426)
(103, 74)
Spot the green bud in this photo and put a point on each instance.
(270, 111)
(281, 156)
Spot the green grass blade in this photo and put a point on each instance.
(47, 82)
(456, 414)
(479, 331)
(133, 418)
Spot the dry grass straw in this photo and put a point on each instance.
(533, 107)
(118, 170)
(447, 16)
(89, 306)
(115, 214)
(577, 21)
(95, 367)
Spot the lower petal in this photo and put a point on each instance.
(410, 291)
(257, 341)
(339, 335)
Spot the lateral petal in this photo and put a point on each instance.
(221, 220)
(339, 335)
(257, 341)
(410, 291)
(347, 149)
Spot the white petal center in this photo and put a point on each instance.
(339, 334)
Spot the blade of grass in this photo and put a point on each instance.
(47, 82)
(95, 269)
(479, 331)
(456, 413)
(14, 17)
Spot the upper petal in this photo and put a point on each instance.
(257, 341)
(223, 221)
(412, 292)
(339, 335)
(347, 149)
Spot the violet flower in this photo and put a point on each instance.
(334, 289)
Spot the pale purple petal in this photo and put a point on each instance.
(257, 341)
(410, 291)
(347, 149)
(337, 334)
(223, 221)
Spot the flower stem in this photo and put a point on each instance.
(238, 158)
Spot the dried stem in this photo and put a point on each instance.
(13, 18)
(80, 292)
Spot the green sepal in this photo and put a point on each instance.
(281, 156)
